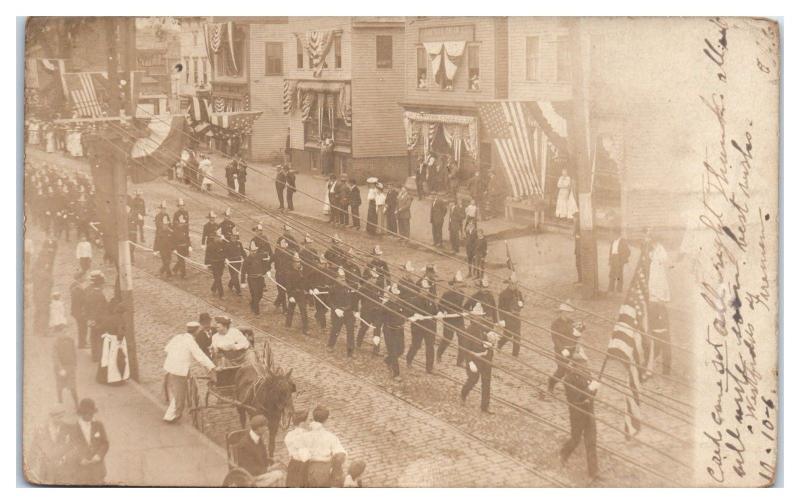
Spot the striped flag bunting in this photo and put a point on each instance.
(626, 343)
(508, 125)
(88, 92)
(199, 115)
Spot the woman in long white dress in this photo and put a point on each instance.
(114, 364)
(380, 206)
(565, 202)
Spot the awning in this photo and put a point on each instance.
(457, 130)
(330, 99)
(239, 121)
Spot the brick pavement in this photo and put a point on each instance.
(426, 392)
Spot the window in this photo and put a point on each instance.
(186, 70)
(205, 70)
(337, 51)
(422, 68)
(474, 67)
(274, 62)
(532, 58)
(563, 59)
(194, 70)
(299, 53)
(383, 51)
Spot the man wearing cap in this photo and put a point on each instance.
(369, 294)
(322, 278)
(394, 312)
(430, 276)
(254, 268)
(509, 304)
(323, 448)
(343, 302)
(210, 229)
(90, 445)
(138, 209)
(252, 453)
(438, 213)
(283, 263)
(227, 226)
(215, 260)
(580, 390)
(164, 246)
(354, 199)
(280, 184)
(308, 254)
(181, 240)
(95, 308)
(377, 262)
(479, 347)
(424, 305)
(296, 286)
(451, 303)
(181, 350)
(564, 342)
(485, 297)
(294, 245)
(260, 242)
(234, 257)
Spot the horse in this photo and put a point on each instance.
(262, 390)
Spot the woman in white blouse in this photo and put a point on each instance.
(380, 205)
(565, 202)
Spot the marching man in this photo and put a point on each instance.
(180, 350)
(480, 351)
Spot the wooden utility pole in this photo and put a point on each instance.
(118, 166)
(581, 157)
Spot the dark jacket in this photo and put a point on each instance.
(622, 255)
(209, 230)
(486, 299)
(438, 211)
(291, 182)
(355, 197)
(253, 457)
(561, 332)
(92, 473)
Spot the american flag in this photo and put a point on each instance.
(199, 115)
(626, 343)
(507, 123)
(88, 92)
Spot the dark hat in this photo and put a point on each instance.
(321, 414)
(86, 406)
(204, 317)
(356, 469)
(257, 421)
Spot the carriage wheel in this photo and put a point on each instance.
(238, 477)
(193, 398)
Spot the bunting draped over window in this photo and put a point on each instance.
(219, 37)
(317, 45)
(458, 131)
(445, 58)
(330, 98)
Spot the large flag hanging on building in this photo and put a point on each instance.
(88, 93)
(508, 124)
(152, 155)
(199, 115)
(627, 346)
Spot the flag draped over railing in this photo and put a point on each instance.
(626, 343)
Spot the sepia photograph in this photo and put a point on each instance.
(401, 251)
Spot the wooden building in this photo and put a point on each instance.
(344, 82)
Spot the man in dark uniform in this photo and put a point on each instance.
(509, 304)
(430, 276)
(163, 225)
(369, 294)
(452, 303)
(138, 208)
(230, 177)
(215, 259)
(308, 254)
(294, 245)
(165, 245)
(335, 254)
(564, 342)
(354, 198)
(260, 242)
(181, 240)
(456, 223)
(424, 305)
(480, 345)
(227, 226)
(283, 262)
(485, 297)
(234, 257)
(291, 188)
(343, 302)
(210, 229)
(95, 308)
(280, 184)
(580, 390)
(320, 284)
(377, 262)
(394, 319)
(296, 288)
(254, 269)
(438, 213)
(391, 208)
(241, 175)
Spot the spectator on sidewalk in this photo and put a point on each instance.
(230, 177)
(77, 308)
(181, 350)
(114, 364)
(355, 204)
(658, 288)
(342, 200)
(291, 187)
(618, 255)
(241, 175)
(90, 446)
(380, 205)
(203, 334)
(391, 209)
(438, 213)
(457, 216)
(50, 450)
(95, 310)
(327, 207)
(420, 176)
(296, 446)
(65, 364)
(253, 456)
(323, 446)
(481, 251)
(58, 317)
(83, 252)
(138, 209)
(471, 214)
(372, 209)
(404, 200)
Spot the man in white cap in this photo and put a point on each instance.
(424, 330)
(394, 318)
(564, 342)
(209, 231)
(451, 303)
(181, 350)
(163, 224)
(297, 284)
(227, 226)
(181, 239)
(480, 345)
(343, 302)
(485, 297)
(509, 304)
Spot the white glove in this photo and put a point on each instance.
(291, 300)
(140, 217)
(473, 367)
(565, 353)
(357, 314)
(376, 340)
(502, 323)
(487, 344)
(190, 250)
(204, 246)
(415, 317)
(269, 274)
(440, 315)
(519, 303)
(593, 386)
(311, 291)
(316, 292)
(339, 312)
(62, 372)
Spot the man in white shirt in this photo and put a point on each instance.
(295, 440)
(181, 350)
(323, 447)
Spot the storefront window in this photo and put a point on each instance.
(473, 64)
(422, 68)
(274, 58)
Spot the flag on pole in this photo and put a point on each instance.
(626, 343)
(508, 125)
(89, 93)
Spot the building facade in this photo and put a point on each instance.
(195, 69)
(344, 83)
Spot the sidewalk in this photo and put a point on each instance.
(144, 450)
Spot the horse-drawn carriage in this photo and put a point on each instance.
(250, 382)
